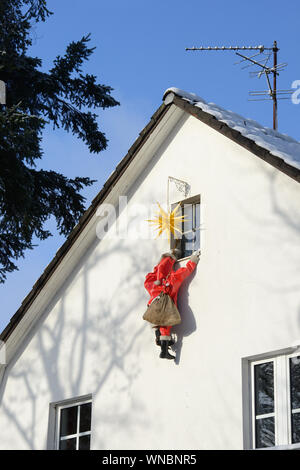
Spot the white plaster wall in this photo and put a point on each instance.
(243, 300)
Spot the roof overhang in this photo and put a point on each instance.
(172, 98)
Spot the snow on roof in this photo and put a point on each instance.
(280, 145)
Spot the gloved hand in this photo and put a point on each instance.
(195, 256)
(176, 252)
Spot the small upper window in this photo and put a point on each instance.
(189, 240)
(74, 426)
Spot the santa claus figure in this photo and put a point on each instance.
(163, 284)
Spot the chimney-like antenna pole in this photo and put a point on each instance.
(275, 117)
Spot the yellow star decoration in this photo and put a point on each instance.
(167, 221)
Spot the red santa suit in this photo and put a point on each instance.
(169, 282)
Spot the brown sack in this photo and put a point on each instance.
(162, 311)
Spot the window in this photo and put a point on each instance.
(73, 425)
(275, 396)
(189, 241)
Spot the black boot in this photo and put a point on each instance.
(165, 350)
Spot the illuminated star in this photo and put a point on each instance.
(168, 221)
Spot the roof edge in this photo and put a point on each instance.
(83, 221)
(170, 96)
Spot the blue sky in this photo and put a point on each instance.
(140, 52)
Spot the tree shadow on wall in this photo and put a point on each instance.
(99, 336)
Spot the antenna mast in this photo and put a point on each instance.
(274, 96)
(272, 92)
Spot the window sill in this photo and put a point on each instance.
(183, 259)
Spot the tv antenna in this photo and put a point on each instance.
(264, 69)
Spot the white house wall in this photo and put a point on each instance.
(243, 300)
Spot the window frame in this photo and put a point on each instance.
(55, 411)
(282, 400)
(253, 402)
(178, 242)
(290, 410)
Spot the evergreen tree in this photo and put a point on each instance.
(64, 97)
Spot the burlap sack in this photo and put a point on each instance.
(162, 312)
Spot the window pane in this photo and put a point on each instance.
(68, 421)
(295, 427)
(295, 382)
(68, 444)
(188, 237)
(187, 210)
(85, 417)
(191, 229)
(265, 432)
(264, 388)
(84, 442)
(197, 227)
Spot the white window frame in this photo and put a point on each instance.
(282, 403)
(297, 410)
(193, 200)
(55, 418)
